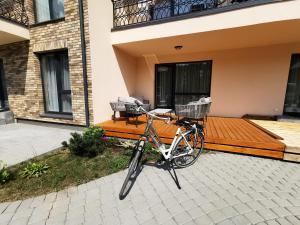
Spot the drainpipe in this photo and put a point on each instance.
(84, 67)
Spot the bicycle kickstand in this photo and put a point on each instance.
(175, 178)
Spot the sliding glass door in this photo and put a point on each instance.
(181, 83)
(164, 86)
(292, 98)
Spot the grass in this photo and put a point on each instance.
(65, 170)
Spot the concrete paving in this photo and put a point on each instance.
(220, 188)
(20, 141)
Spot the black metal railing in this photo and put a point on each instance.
(14, 11)
(130, 12)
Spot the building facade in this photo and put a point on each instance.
(44, 75)
(244, 54)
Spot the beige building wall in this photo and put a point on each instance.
(244, 81)
(113, 71)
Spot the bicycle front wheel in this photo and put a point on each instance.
(196, 141)
(132, 169)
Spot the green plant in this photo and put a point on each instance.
(93, 132)
(4, 173)
(118, 162)
(89, 143)
(150, 149)
(34, 170)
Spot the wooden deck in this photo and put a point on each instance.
(221, 134)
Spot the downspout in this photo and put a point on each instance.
(84, 67)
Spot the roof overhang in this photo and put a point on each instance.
(12, 32)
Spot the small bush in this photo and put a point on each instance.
(89, 143)
(34, 170)
(4, 173)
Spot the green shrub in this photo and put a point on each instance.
(34, 170)
(89, 143)
(4, 173)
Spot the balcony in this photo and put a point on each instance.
(129, 13)
(13, 21)
(13, 11)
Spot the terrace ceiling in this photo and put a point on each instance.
(265, 34)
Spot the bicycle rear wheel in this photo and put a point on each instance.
(196, 141)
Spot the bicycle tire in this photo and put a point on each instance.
(198, 144)
(131, 169)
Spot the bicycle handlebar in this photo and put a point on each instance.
(167, 119)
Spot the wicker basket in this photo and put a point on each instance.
(193, 111)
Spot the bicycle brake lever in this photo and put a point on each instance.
(169, 121)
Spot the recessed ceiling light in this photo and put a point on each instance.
(178, 47)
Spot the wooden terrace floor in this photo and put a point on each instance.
(221, 134)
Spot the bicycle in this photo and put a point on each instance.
(185, 149)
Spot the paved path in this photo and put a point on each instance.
(19, 142)
(219, 189)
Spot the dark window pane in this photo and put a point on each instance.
(292, 99)
(192, 81)
(42, 10)
(56, 80)
(164, 87)
(49, 10)
(66, 103)
(58, 9)
(49, 72)
(181, 83)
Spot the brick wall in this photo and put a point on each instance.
(22, 67)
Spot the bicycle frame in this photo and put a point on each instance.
(167, 152)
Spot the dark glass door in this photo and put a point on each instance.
(164, 86)
(181, 83)
(292, 98)
(3, 96)
(192, 81)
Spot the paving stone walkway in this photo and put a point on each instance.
(20, 141)
(219, 189)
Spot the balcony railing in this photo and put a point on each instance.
(131, 12)
(14, 11)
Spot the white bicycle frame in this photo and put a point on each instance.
(166, 152)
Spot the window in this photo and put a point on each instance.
(292, 98)
(56, 83)
(181, 83)
(49, 10)
(3, 94)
